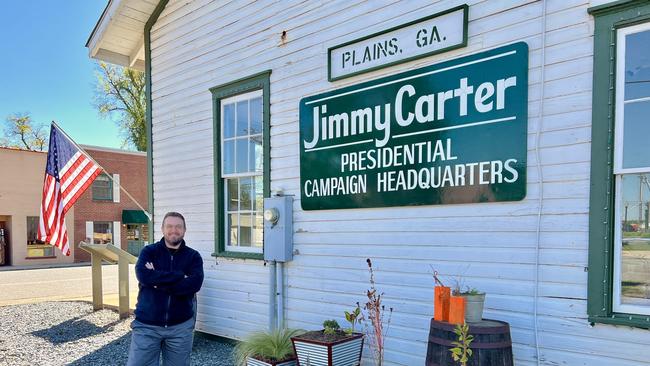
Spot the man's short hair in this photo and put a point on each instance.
(174, 214)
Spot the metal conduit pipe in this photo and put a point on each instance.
(279, 280)
(272, 295)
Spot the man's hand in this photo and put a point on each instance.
(149, 265)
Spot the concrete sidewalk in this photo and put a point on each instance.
(24, 286)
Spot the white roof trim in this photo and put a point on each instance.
(112, 42)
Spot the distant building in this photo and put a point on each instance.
(102, 214)
(21, 185)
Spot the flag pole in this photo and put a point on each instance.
(99, 165)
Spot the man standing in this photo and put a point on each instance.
(169, 275)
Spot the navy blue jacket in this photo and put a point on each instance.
(167, 292)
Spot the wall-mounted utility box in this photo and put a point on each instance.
(278, 228)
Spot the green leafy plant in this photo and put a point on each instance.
(461, 352)
(471, 291)
(267, 346)
(352, 317)
(331, 327)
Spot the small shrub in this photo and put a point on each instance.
(331, 327)
(268, 346)
(462, 353)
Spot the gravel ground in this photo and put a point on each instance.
(70, 333)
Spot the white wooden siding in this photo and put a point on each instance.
(200, 44)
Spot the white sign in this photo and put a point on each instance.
(434, 34)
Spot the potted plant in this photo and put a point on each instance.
(330, 346)
(474, 301)
(472, 298)
(267, 349)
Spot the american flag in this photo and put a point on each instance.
(68, 173)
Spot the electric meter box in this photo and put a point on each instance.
(278, 228)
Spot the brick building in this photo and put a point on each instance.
(104, 214)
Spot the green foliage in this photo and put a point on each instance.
(352, 317)
(461, 352)
(471, 291)
(270, 346)
(120, 93)
(21, 132)
(331, 327)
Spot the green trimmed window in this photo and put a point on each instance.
(619, 238)
(102, 188)
(241, 142)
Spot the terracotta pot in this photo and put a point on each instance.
(441, 303)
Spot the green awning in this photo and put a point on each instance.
(134, 217)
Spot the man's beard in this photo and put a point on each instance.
(174, 243)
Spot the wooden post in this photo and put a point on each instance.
(98, 301)
(123, 281)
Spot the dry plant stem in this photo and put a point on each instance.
(375, 313)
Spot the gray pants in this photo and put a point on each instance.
(148, 341)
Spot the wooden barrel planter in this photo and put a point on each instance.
(492, 345)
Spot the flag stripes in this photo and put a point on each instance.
(69, 172)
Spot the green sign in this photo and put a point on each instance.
(455, 132)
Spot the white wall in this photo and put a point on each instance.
(197, 45)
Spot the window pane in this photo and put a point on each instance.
(102, 232)
(635, 253)
(246, 188)
(245, 230)
(233, 194)
(242, 118)
(637, 65)
(258, 231)
(256, 115)
(242, 155)
(102, 188)
(233, 224)
(636, 135)
(258, 204)
(228, 157)
(228, 120)
(255, 154)
(32, 231)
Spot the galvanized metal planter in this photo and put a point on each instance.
(346, 352)
(255, 362)
(474, 307)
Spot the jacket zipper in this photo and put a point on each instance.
(169, 297)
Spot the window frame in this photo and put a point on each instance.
(110, 227)
(619, 171)
(260, 81)
(110, 189)
(235, 175)
(609, 19)
(47, 249)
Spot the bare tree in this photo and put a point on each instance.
(120, 93)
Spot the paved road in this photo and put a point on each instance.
(64, 283)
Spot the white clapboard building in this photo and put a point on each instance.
(502, 141)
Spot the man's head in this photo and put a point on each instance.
(173, 228)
